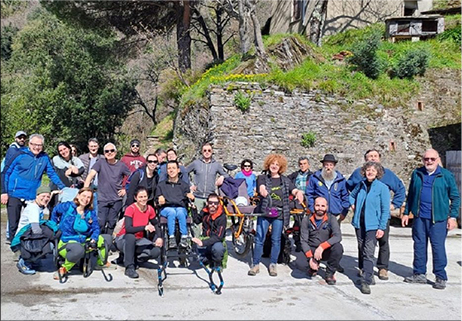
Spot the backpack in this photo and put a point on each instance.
(139, 170)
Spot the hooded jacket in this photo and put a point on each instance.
(23, 176)
(326, 235)
(205, 175)
(213, 225)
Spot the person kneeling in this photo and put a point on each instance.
(139, 218)
(320, 239)
(213, 221)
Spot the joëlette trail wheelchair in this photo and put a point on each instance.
(240, 208)
(184, 254)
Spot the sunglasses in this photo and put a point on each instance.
(107, 151)
(247, 166)
(427, 159)
(213, 203)
(21, 137)
(152, 161)
(135, 145)
(207, 150)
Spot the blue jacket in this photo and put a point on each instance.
(445, 195)
(23, 176)
(389, 178)
(336, 196)
(11, 153)
(65, 214)
(376, 202)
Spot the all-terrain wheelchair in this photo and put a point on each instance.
(184, 253)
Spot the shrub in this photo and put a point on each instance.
(365, 56)
(413, 62)
(308, 139)
(451, 35)
(242, 101)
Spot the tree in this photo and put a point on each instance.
(132, 18)
(64, 83)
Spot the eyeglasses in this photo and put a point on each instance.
(207, 150)
(152, 161)
(247, 166)
(36, 145)
(107, 151)
(213, 203)
(135, 145)
(21, 137)
(427, 159)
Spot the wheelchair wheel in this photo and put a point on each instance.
(242, 244)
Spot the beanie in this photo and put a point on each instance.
(43, 189)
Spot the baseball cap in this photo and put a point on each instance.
(135, 141)
(43, 189)
(19, 133)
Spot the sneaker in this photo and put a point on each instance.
(254, 270)
(272, 270)
(62, 270)
(330, 279)
(24, 268)
(131, 272)
(365, 288)
(383, 274)
(440, 284)
(312, 273)
(7, 242)
(171, 242)
(416, 278)
(184, 241)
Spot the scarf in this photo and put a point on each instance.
(246, 173)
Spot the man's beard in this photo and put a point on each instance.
(320, 213)
(327, 175)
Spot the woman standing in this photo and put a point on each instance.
(249, 176)
(146, 177)
(370, 201)
(140, 219)
(274, 190)
(78, 224)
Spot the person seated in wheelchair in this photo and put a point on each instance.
(172, 197)
(30, 219)
(213, 219)
(139, 220)
(79, 226)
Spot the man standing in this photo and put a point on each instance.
(434, 200)
(330, 184)
(399, 193)
(18, 144)
(300, 178)
(134, 160)
(110, 190)
(22, 177)
(171, 155)
(205, 172)
(89, 159)
(321, 238)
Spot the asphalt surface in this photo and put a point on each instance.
(289, 296)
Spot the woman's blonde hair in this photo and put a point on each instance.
(85, 189)
(271, 158)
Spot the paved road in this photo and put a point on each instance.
(289, 296)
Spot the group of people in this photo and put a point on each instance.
(137, 191)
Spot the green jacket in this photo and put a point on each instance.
(445, 195)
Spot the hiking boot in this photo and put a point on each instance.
(365, 288)
(272, 270)
(383, 274)
(254, 270)
(172, 242)
(24, 268)
(61, 271)
(330, 279)
(131, 272)
(440, 284)
(312, 273)
(416, 278)
(184, 241)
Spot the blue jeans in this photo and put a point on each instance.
(422, 230)
(173, 213)
(263, 224)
